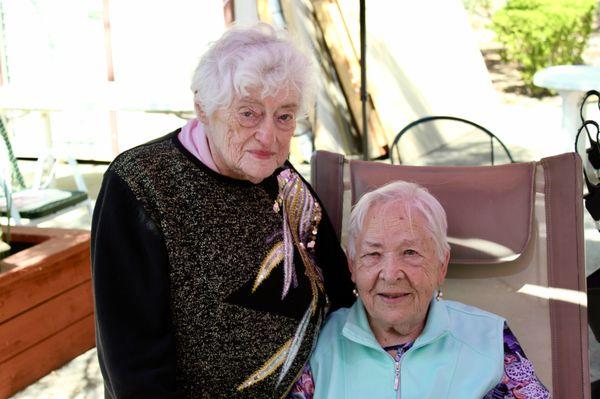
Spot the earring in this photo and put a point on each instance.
(355, 292)
(439, 295)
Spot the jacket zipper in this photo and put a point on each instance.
(397, 368)
(397, 379)
(397, 359)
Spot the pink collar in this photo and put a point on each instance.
(193, 138)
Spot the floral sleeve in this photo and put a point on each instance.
(304, 388)
(519, 380)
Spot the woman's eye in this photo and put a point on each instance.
(248, 114)
(410, 252)
(286, 121)
(286, 117)
(248, 118)
(371, 255)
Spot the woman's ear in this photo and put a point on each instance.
(351, 268)
(201, 114)
(444, 269)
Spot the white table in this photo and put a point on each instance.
(571, 82)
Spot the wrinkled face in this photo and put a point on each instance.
(396, 269)
(251, 139)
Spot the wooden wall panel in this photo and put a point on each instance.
(35, 288)
(31, 365)
(46, 305)
(27, 329)
(32, 276)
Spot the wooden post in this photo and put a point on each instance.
(110, 75)
(228, 12)
(3, 59)
(363, 81)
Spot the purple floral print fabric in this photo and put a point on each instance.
(304, 387)
(519, 380)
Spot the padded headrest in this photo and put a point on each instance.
(489, 208)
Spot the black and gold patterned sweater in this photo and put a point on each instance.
(194, 295)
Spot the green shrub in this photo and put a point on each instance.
(540, 33)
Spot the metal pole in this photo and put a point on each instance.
(363, 81)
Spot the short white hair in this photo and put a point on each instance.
(414, 198)
(260, 57)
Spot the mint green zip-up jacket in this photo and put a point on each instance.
(459, 355)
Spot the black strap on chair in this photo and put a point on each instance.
(426, 119)
(593, 153)
(592, 198)
(592, 204)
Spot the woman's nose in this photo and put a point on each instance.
(266, 132)
(392, 270)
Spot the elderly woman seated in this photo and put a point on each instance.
(400, 339)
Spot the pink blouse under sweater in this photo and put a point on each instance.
(193, 138)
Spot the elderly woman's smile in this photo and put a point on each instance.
(396, 270)
(251, 139)
(400, 338)
(393, 297)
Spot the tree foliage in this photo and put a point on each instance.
(540, 33)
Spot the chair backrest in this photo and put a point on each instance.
(476, 146)
(516, 233)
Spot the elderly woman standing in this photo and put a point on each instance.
(213, 262)
(400, 339)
